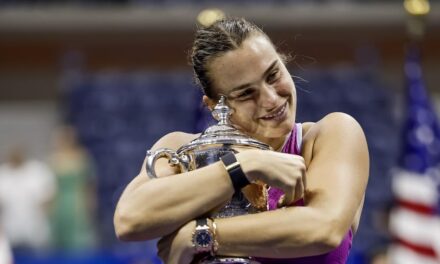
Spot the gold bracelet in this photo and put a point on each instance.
(214, 234)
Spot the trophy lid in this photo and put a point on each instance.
(223, 132)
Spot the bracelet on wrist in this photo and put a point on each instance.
(214, 235)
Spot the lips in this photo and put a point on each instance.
(276, 113)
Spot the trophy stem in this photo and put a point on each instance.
(221, 112)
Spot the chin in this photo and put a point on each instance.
(288, 123)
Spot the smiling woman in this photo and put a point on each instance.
(317, 173)
(263, 96)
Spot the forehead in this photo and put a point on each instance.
(243, 65)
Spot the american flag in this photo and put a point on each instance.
(414, 222)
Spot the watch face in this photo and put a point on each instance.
(203, 238)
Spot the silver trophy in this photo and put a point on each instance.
(215, 142)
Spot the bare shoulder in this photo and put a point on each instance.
(339, 120)
(331, 129)
(333, 123)
(339, 126)
(174, 140)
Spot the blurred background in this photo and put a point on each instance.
(86, 87)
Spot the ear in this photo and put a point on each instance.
(208, 102)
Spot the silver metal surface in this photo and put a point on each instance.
(228, 260)
(215, 142)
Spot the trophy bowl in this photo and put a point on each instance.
(215, 142)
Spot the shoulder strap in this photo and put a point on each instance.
(298, 128)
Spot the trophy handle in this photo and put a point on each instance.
(171, 155)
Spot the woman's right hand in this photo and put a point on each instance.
(284, 171)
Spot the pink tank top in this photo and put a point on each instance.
(336, 256)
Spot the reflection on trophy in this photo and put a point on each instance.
(215, 142)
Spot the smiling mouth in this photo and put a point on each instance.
(277, 113)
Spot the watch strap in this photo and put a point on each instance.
(201, 222)
(238, 178)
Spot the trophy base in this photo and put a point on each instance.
(229, 260)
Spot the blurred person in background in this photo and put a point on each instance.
(5, 250)
(27, 188)
(74, 206)
(321, 187)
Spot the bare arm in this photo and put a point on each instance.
(149, 209)
(152, 208)
(336, 180)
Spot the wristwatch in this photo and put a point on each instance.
(203, 238)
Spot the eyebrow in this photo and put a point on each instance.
(274, 63)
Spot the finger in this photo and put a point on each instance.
(289, 196)
(281, 201)
(300, 187)
(299, 192)
(304, 182)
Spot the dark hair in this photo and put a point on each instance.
(213, 41)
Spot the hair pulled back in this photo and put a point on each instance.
(215, 40)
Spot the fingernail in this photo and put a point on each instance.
(281, 201)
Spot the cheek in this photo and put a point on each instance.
(243, 114)
(286, 89)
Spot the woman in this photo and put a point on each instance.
(72, 220)
(236, 59)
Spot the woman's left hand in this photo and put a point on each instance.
(177, 248)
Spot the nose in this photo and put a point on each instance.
(268, 97)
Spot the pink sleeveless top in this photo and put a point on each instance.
(338, 255)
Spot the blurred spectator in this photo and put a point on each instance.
(5, 251)
(75, 203)
(26, 189)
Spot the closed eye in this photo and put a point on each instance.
(273, 76)
(245, 94)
